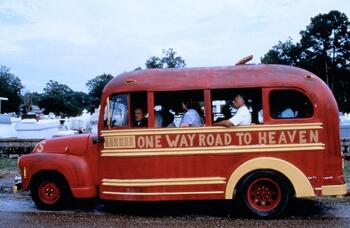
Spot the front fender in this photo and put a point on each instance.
(74, 168)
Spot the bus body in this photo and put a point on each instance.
(262, 165)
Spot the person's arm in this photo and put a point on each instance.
(186, 120)
(225, 123)
(185, 125)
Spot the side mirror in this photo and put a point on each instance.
(98, 139)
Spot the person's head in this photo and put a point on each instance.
(139, 114)
(238, 101)
(226, 111)
(188, 103)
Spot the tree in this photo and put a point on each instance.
(96, 86)
(283, 53)
(59, 99)
(10, 87)
(169, 60)
(154, 62)
(324, 49)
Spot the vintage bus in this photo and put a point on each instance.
(261, 166)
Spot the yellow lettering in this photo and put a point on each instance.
(157, 141)
(302, 138)
(227, 139)
(272, 137)
(141, 142)
(210, 140)
(247, 138)
(201, 139)
(240, 138)
(282, 138)
(183, 142)
(172, 142)
(314, 136)
(291, 135)
(262, 137)
(149, 141)
(218, 140)
(191, 138)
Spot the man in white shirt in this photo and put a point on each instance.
(242, 116)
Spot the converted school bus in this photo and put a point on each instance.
(262, 166)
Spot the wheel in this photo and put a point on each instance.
(264, 194)
(50, 192)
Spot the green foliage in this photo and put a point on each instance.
(324, 49)
(169, 60)
(7, 164)
(96, 86)
(60, 99)
(10, 87)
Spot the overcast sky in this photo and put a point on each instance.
(72, 41)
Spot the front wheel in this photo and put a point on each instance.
(264, 193)
(50, 192)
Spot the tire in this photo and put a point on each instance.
(50, 192)
(264, 194)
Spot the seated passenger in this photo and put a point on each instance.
(226, 111)
(191, 117)
(287, 113)
(242, 116)
(140, 118)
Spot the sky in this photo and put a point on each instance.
(72, 41)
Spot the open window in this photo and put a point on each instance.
(290, 104)
(169, 111)
(223, 109)
(138, 110)
(126, 110)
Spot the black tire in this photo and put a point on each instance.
(264, 194)
(50, 192)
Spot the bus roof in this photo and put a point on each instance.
(240, 76)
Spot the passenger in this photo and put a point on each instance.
(191, 118)
(242, 116)
(158, 119)
(168, 117)
(287, 113)
(140, 118)
(226, 111)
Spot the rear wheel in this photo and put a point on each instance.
(50, 192)
(264, 193)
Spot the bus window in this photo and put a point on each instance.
(116, 111)
(223, 109)
(138, 109)
(289, 104)
(171, 108)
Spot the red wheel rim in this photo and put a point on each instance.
(264, 194)
(49, 192)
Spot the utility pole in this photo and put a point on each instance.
(2, 99)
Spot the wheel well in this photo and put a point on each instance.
(271, 170)
(49, 173)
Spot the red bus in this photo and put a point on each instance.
(261, 166)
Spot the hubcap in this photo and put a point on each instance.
(49, 192)
(264, 194)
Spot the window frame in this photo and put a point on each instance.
(267, 111)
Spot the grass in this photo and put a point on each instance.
(7, 164)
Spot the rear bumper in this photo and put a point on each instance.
(334, 190)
